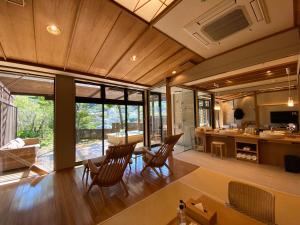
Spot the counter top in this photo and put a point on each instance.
(287, 140)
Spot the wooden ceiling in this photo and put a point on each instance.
(249, 77)
(98, 37)
(230, 97)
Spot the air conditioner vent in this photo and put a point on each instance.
(226, 25)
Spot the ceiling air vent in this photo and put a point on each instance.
(226, 25)
(17, 2)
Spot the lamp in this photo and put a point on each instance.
(290, 102)
(217, 107)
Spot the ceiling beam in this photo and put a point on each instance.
(76, 19)
(48, 71)
(34, 31)
(276, 47)
(2, 51)
(296, 5)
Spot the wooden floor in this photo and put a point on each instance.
(59, 198)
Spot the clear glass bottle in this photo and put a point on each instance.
(181, 213)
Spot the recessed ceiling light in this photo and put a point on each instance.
(269, 72)
(229, 82)
(174, 72)
(133, 58)
(53, 29)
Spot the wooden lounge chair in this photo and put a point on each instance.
(158, 159)
(111, 170)
(252, 201)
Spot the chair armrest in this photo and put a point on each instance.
(92, 166)
(149, 152)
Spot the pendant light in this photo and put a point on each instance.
(217, 107)
(290, 102)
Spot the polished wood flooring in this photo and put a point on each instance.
(59, 198)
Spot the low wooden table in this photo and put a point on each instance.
(225, 215)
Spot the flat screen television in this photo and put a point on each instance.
(284, 117)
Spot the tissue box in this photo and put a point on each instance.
(205, 218)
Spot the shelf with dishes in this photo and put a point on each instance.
(247, 150)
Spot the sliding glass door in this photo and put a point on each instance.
(114, 125)
(155, 115)
(135, 123)
(88, 131)
(107, 116)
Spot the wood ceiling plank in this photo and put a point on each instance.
(123, 34)
(94, 24)
(17, 31)
(278, 71)
(165, 69)
(28, 86)
(142, 48)
(52, 49)
(161, 53)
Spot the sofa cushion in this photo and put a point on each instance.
(12, 144)
(21, 142)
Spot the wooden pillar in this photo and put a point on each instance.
(196, 108)
(64, 151)
(213, 121)
(169, 107)
(257, 121)
(147, 118)
(298, 101)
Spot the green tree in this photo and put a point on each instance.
(35, 118)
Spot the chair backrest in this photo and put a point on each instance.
(166, 148)
(252, 201)
(115, 163)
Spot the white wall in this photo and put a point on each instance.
(267, 102)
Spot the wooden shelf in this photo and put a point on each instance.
(247, 160)
(248, 151)
(240, 143)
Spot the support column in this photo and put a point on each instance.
(257, 121)
(147, 118)
(196, 108)
(213, 121)
(169, 107)
(298, 101)
(64, 151)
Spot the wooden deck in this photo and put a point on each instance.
(59, 198)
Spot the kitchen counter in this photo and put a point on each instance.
(285, 140)
(270, 151)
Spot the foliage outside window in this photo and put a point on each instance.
(35, 118)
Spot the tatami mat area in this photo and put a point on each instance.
(269, 176)
(160, 207)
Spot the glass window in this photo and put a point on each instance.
(135, 124)
(114, 124)
(88, 131)
(115, 93)
(88, 90)
(204, 113)
(135, 96)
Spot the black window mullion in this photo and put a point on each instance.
(103, 133)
